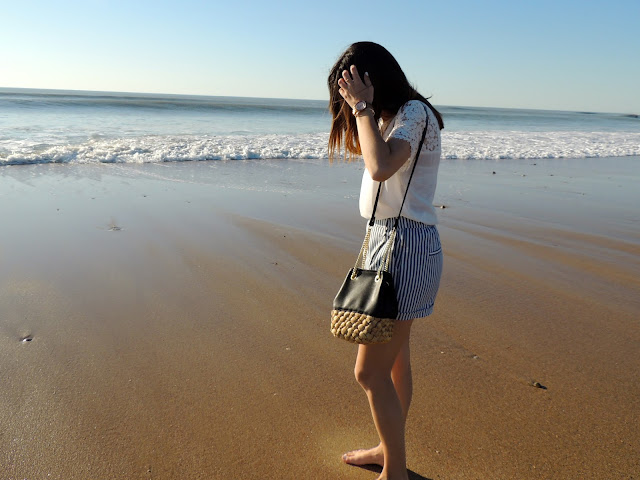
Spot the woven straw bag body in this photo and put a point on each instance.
(357, 327)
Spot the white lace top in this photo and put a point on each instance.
(408, 124)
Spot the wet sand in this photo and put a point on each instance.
(171, 321)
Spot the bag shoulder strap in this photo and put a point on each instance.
(384, 266)
(375, 205)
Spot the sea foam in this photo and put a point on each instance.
(474, 145)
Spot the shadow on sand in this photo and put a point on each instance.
(378, 469)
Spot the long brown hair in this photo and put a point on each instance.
(391, 91)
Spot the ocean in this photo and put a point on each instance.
(74, 127)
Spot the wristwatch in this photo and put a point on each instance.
(361, 107)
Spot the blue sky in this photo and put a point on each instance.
(564, 55)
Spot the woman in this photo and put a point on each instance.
(379, 115)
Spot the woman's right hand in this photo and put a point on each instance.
(353, 89)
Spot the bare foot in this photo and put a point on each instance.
(372, 456)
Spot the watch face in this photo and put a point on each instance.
(361, 105)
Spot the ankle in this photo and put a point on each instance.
(389, 475)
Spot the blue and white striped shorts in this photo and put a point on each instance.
(416, 263)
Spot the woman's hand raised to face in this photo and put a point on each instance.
(353, 89)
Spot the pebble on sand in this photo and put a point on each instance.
(538, 385)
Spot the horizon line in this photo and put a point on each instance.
(115, 92)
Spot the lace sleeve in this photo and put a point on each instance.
(409, 125)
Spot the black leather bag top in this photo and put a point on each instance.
(365, 294)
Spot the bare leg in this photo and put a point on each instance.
(373, 371)
(403, 384)
(402, 378)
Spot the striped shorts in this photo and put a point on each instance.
(416, 263)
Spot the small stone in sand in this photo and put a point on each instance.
(113, 226)
(28, 338)
(538, 385)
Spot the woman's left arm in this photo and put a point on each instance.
(382, 159)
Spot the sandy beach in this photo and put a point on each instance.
(171, 321)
